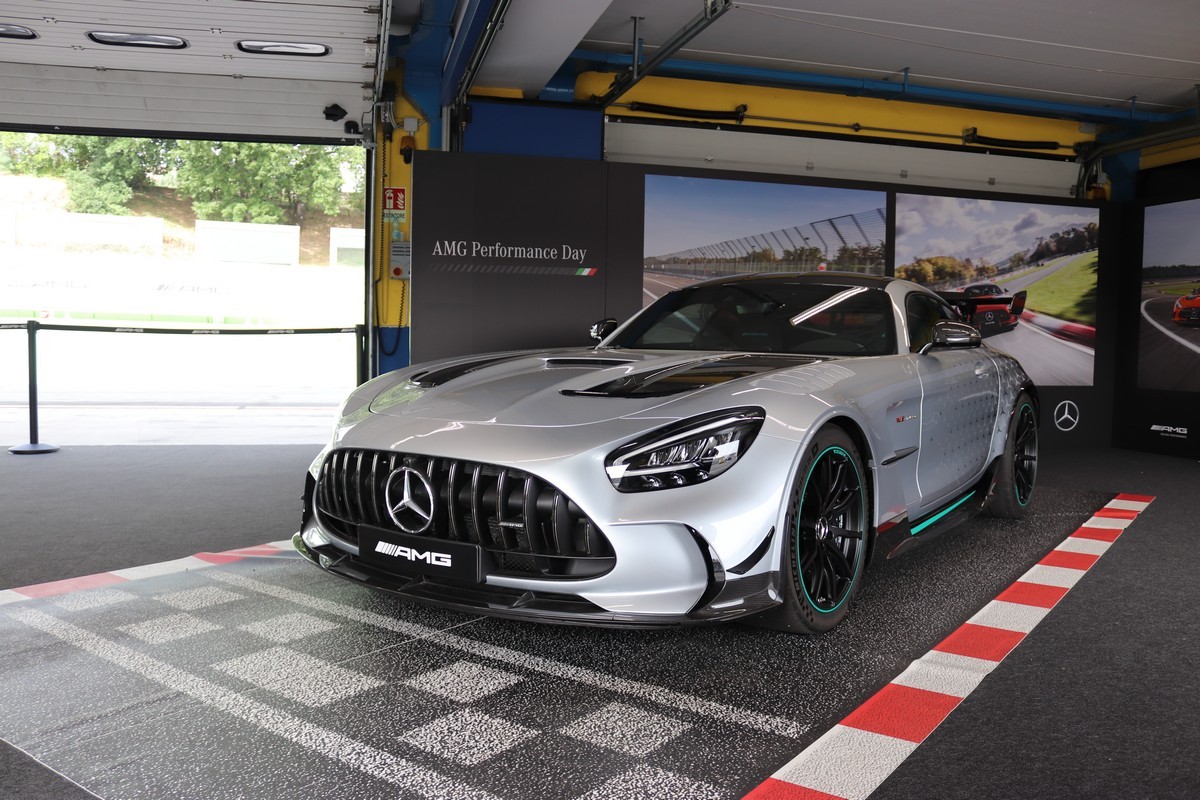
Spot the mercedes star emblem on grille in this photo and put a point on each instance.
(409, 497)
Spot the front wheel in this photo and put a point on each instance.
(828, 522)
(1017, 472)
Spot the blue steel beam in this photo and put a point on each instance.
(470, 31)
(424, 58)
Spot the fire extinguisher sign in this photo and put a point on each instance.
(395, 203)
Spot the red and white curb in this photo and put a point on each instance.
(852, 759)
(1071, 331)
(197, 561)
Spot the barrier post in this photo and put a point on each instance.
(34, 447)
(363, 354)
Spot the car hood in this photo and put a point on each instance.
(573, 387)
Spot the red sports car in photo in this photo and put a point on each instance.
(1187, 309)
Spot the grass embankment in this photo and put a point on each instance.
(1177, 289)
(1069, 293)
(179, 224)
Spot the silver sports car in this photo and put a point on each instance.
(744, 446)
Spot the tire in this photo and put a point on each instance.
(828, 530)
(1012, 491)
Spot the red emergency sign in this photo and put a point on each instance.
(395, 199)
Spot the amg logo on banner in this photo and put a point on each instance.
(1169, 430)
(400, 551)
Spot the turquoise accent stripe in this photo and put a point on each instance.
(940, 514)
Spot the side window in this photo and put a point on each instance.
(922, 312)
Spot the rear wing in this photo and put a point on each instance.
(967, 306)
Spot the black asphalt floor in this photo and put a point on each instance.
(1098, 701)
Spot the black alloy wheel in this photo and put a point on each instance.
(1025, 455)
(1016, 474)
(828, 523)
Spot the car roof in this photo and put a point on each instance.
(835, 278)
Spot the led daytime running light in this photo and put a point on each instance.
(686, 453)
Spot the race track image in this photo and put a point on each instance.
(1168, 353)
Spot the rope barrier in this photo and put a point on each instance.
(35, 447)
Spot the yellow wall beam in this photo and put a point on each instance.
(798, 110)
(497, 91)
(1170, 154)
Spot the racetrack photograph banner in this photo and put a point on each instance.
(994, 251)
(1169, 308)
(698, 228)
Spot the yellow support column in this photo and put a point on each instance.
(399, 135)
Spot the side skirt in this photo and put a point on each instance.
(904, 534)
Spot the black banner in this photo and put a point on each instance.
(509, 253)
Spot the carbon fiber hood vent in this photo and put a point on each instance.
(692, 376)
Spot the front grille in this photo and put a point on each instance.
(525, 526)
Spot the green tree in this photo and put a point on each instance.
(259, 182)
(101, 171)
(859, 255)
(918, 272)
(117, 159)
(30, 154)
(804, 255)
(92, 196)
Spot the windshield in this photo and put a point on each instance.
(767, 317)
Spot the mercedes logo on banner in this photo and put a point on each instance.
(409, 497)
(1066, 415)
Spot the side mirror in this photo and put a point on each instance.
(954, 335)
(603, 328)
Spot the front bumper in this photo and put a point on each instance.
(664, 573)
(499, 601)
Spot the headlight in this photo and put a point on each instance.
(686, 453)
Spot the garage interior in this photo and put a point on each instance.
(161, 639)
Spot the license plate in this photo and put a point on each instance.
(418, 555)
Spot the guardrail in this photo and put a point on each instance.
(35, 447)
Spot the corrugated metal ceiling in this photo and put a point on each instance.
(64, 79)
(1114, 56)
(1103, 54)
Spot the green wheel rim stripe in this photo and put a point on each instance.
(1025, 413)
(858, 550)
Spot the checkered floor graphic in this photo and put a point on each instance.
(252, 674)
(165, 688)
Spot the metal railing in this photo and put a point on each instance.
(827, 237)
